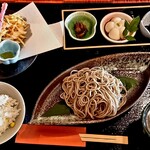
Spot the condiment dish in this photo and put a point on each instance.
(9, 51)
(145, 24)
(117, 20)
(81, 25)
(146, 119)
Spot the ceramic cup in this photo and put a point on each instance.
(9, 52)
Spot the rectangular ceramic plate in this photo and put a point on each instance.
(98, 41)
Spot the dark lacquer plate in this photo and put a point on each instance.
(7, 71)
(131, 65)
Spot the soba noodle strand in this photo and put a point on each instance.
(93, 93)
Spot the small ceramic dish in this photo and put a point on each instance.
(145, 25)
(81, 25)
(118, 18)
(9, 52)
(146, 119)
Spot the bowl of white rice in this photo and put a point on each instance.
(12, 111)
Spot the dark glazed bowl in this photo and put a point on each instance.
(146, 119)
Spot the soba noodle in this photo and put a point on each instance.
(93, 93)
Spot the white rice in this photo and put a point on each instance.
(8, 112)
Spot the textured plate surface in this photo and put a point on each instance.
(8, 71)
(122, 64)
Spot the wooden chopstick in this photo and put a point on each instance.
(117, 139)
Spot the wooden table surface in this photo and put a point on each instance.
(80, 1)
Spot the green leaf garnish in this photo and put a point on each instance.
(128, 82)
(58, 109)
(134, 24)
(130, 38)
(130, 28)
(125, 32)
(127, 25)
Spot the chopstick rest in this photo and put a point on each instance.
(116, 139)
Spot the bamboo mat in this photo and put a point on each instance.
(78, 1)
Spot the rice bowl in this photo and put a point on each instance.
(8, 91)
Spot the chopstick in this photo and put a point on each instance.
(116, 139)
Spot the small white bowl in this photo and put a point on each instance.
(107, 18)
(8, 89)
(145, 22)
(9, 52)
(83, 17)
